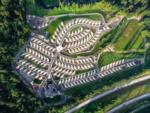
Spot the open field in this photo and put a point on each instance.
(140, 40)
(117, 32)
(128, 35)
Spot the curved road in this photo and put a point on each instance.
(141, 108)
(129, 102)
(74, 14)
(109, 92)
(49, 19)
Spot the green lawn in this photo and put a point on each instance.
(140, 39)
(134, 39)
(118, 31)
(109, 57)
(127, 36)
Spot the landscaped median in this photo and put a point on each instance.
(130, 102)
(112, 92)
(140, 107)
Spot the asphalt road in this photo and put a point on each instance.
(129, 102)
(109, 92)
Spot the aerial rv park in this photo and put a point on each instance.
(76, 59)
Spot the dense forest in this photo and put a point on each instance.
(14, 96)
(129, 5)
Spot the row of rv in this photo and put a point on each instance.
(37, 55)
(97, 74)
(81, 39)
(42, 60)
(93, 75)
